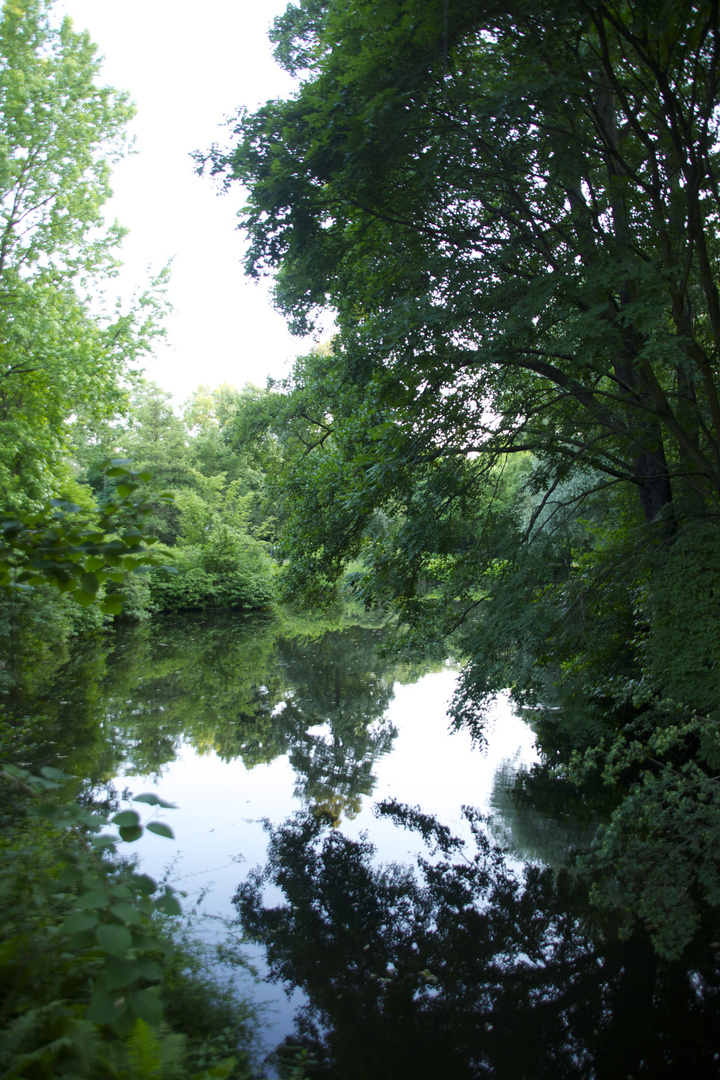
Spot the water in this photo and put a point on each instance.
(225, 805)
(408, 955)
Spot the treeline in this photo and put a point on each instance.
(216, 531)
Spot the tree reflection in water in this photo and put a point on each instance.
(242, 687)
(459, 968)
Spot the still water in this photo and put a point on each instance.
(320, 805)
(369, 731)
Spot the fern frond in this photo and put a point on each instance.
(145, 1051)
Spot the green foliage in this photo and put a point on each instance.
(229, 570)
(213, 527)
(491, 203)
(83, 935)
(88, 956)
(657, 858)
(77, 941)
(79, 552)
(64, 352)
(66, 569)
(681, 607)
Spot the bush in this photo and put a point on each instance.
(92, 966)
(231, 570)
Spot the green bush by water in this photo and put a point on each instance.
(99, 977)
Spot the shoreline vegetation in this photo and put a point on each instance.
(508, 453)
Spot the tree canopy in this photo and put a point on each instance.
(513, 216)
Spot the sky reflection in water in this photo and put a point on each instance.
(224, 803)
(473, 958)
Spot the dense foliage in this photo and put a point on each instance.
(215, 529)
(512, 213)
(87, 962)
(65, 354)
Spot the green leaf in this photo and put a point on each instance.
(130, 833)
(149, 969)
(122, 892)
(120, 972)
(85, 599)
(103, 841)
(111, 607)
(93, 898)
(126, 818)
(147, 943)
(114, 939)
(160, 829)
(168, 904)
(49, 811)
(154, 800)
(79, 921)
(144, 883)
(16, 772)
(127, 912)
(55, 774)
(106, 1008)
(90, 583)
(147, 1005)
(69, 875)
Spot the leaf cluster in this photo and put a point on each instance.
(79, 552)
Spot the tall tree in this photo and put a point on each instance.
(513, 216)
(512, 211)
(63, 353)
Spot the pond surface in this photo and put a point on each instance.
(346, 730)
(320, 801)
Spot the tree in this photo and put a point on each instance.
(458, 967)
(64, 353)
(513, 216)
(211, 524)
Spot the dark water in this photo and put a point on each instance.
(321, 804)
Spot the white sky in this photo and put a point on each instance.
(187, 66)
